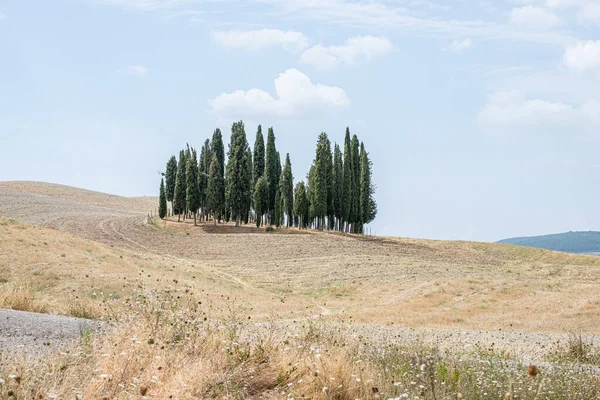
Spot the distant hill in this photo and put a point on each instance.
(570, 242)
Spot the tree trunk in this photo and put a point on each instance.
(195, 218)
(178, 217)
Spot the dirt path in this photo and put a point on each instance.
(34, 332)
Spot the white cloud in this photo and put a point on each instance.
(258, 39)
(588, 10)
(534, 17)
(513, 112)
(583, 56)
(134, 70)
(295, 96)
(353, 49)
(458, 46)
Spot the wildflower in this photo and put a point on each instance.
(325, 388)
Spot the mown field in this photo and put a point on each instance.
(286, 313)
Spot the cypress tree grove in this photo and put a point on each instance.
(258, 164)
(356, 217)
(218, 150)
(192, 188)
(338, 186)
(261, 199)
(287, 190)
(214, 190)
(322, 183)
(170, 174)
(180, 189)
(162, 201)
(272, 166)
(239, 186)
(348, 183)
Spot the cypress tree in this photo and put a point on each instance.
(301, 204)
(368, 205)
(218, 150)
(261, 199)
(248, 183)
(170, 174)
(338, 185)
(162, 201)
(311, 195)
(287, 190)
(278, 209)
(321, 184)
(238, 184)
(272, 166)
(356, 217)
(180, 188)
(214, 190)
(258, 164)
(192, 188)
(202, 179)
(348, 183)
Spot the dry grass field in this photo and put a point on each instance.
(75, 252)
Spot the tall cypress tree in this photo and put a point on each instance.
(239, 186)
(202, 179)
(368, 205)
(214, 190)
(338, 185)
(162, 201)
(192, 188)
(301, 204)
(287, 190)
(258, 164)
(218, 150)
(356, 216)
(272, 167)
(322, 181)
(261, 199)
(180, 188)
(170, 174)
(278, 209)
(348, 182)
(248, 183)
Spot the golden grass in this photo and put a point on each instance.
(163, 350)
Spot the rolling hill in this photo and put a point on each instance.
(569, 242)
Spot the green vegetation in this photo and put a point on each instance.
(338, 195)
(570, 242)
(162, 201)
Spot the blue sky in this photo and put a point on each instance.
(482, 118)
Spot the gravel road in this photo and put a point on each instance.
(34, 332)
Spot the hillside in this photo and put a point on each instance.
(569, 242)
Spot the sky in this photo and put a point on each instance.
(482, 118)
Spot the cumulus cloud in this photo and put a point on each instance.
(583, 56)
(295, 96)
(587, 10)
(514, 112)
(257, 39)
(366, 47)
(134, 70)
(458, 46)
(534, 17)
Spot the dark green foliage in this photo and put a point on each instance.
(261, 199)
(278, 208)
(272, 168)
(301, 204)
(170, 175)
(214, 190)
(162, 201)
(179, 199)
(348, 181)
(248, 179)
(238, 185)
(368, 206)
(338, 185)
(258, 164)
(287, 189)
(192, 189)
(355, 209)
(321, 183)
(218, 150)
(570, 242)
